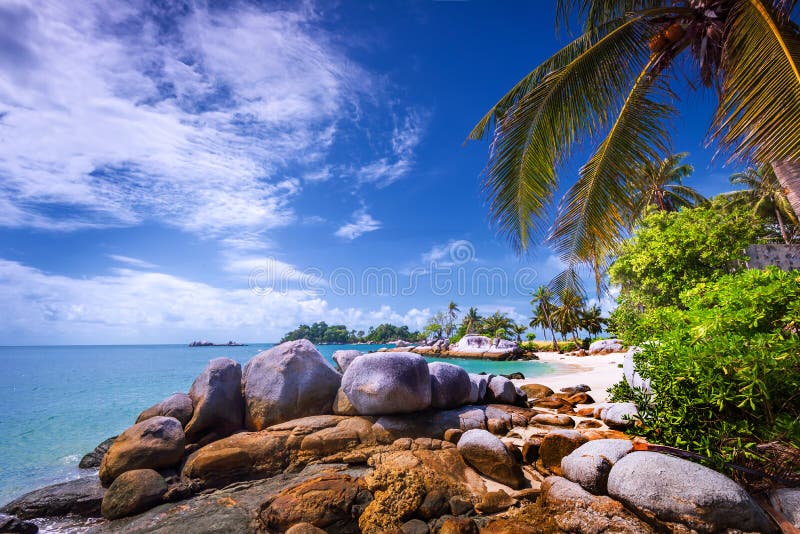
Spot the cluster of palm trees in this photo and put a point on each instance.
(498, 325)
(613, 87)
(565, 312)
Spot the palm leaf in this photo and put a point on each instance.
(759, 111)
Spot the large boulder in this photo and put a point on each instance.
(343, 358)
(430, 423)
(217, 398)
(556, 445)
(80, 497)
(606, 345)
(450, 385)
(589, 464)
(673, 490)
(287, 382)
(788, 501)
(632, 377)
(133, 492)
(471, 343)
(478, 385)
(486, 453)
(573, 509)
(155, 443)
(388, 383)
(501, 390)
(620, 415)
(92, 459)
(177, 405)
(10, 524)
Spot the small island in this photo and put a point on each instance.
(204, 343)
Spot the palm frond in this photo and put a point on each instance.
(593, 215)
(759, 111)
(596, 13)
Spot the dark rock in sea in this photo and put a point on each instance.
(93, 459)
(133, 492)
(13, 525)
(232, 510)
(152, 444)
(515, 376)
(177, 405)
(81, 497)
(286, 382)
(217, 398)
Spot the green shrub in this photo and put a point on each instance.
(546, 346)
(725, 367)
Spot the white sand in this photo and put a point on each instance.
(598, 372)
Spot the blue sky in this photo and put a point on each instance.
(228, 170)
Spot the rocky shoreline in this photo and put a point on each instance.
(384, 443)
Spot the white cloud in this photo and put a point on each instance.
(131, 306)
(454, 252)
(109, 119)
(387, 170)
(361, 224)
(133, 262)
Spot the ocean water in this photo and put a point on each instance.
(58, 402)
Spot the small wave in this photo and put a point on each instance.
(70, 459)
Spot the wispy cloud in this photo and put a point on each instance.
(387, 170)
(133, 262)
(361, 224)
(190, 117)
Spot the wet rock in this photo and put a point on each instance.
(580, 398)
(620, 415)
(81, 497)
(152, 444)
(589, 464)
(325, 502)
(573, 509)
(673, 490)
(94, 458)
(286, 382)
(217, 399)
(177, 405)
(553, 420)
(450, 385)
(12, 525)
(388, 383)
(133, 492)
(556, 445)
(488, 455)
(344, 358)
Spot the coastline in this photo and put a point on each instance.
(598, 371)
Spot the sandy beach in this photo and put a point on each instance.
(598, 372)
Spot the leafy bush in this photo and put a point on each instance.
(725, 366)
(546, 346)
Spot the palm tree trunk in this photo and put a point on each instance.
(780, 223)
(788, 174)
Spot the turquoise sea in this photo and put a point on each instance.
(58, 402)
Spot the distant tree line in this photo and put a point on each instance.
(322, 332)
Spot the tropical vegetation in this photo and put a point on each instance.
(613, 87)
(321, 332)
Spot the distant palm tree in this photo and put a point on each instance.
(497, 324)
(518, 330)
(543, 311)
(592, 320)
(766, 195)
(567, 315)
(452, 314)
(471, 321)
(659, 183)
(613, 86)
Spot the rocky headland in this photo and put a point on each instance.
(384, 443)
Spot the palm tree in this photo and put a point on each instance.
(766, 195)
(496, 325)
(659, 183)
(518, 330)
(592, 320)
(471, 320)
(452, 313)
(614, 83)
(543, 305)
(567, 315)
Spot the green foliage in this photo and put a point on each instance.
(546, 346)
(725, 366)
(321, 332)
(672, 252)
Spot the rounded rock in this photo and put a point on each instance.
(344, 358)
(217, 398)
(450, 385)
(286, 382)
(155, 443)
(589, 464)
(133, 492)
(177, 405)
(388, 383)
(486, 453)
